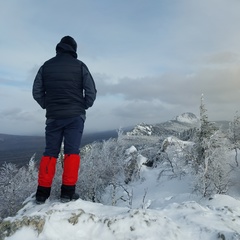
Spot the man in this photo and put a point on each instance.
(65, 88)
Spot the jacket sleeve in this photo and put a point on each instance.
(89, 87)
(38, 90)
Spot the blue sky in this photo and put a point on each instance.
(151, 59)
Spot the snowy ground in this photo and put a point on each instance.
(162, 210)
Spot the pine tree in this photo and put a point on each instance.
(205, 131)
(211, 149)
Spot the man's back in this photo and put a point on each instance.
(64, 85)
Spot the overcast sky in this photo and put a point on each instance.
(151, 59)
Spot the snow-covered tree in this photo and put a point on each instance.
(204, 133)
(211, 149)
(102, 164)
(213, 173)
(15, 185)
(234, 135)
(175, 154)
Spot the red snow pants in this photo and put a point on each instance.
(71, 166)
(47, 170)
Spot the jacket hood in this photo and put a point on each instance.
(66, 48)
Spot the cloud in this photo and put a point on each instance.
(178, 87)
(178, 91)
(222, 58)
(19, 113)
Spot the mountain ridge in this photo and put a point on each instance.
(18, 149)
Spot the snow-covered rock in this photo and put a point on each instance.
(187, 118)
(175, 143)
(142, 129)
(180, 124)
(131, 150)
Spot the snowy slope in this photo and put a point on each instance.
(163, 209)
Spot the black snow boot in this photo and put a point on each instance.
(42, 194)
(68, 193)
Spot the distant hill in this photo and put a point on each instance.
(19, 149)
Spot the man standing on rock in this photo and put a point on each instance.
(65, 88)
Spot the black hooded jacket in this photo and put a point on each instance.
(63, 85)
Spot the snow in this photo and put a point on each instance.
(165, 209)
(187, 220)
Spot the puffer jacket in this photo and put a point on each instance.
(64, 85)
